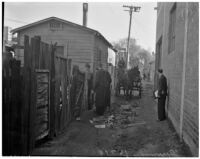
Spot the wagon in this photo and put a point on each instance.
(129, 81)
(137, 86)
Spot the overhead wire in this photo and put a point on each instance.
(14, 20)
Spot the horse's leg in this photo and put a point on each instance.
(130, 91)
(127, 93)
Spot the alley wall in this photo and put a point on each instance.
(182, 102)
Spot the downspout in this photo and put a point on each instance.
(183, 75)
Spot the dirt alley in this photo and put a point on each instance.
(146, 138)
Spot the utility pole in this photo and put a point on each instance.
(131, 10)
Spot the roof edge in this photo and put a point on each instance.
(13, 31)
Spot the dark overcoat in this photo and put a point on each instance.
(102, 90)
(162, 93)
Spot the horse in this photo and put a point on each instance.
(124, 83)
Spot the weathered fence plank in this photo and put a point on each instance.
(26, 97)
(42, 104)
(34, 106)
(52, 92)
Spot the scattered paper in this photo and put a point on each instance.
(100, 126)
(156, 93)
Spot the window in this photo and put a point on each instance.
(172, 25)
(54, 25)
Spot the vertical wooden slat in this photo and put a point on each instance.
(6, 106)
(33, 94)
(69, 74)
(26, 97)
(56, 96)
(37, 51)
(62, 94)
(65, 94)
(40, 56)
(46, 56)
(52, 92)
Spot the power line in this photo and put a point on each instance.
(131, 10)
(14, 20)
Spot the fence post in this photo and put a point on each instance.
(33, 95)
(52, 91)
(26, 98)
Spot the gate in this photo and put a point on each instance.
(62, 106)
(36, 100)
(42, 124)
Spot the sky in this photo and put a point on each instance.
(109, 18)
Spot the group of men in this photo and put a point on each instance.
(99, 88)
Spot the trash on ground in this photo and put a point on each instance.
(101, 118)
(100, 126)
(100, 152)
(126, 107)
(91, 121)
(134, 124)
(123, 153)
(113, 151)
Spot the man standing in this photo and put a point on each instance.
(162, 93)
(108, 88)
(89, 80)
(102, 88)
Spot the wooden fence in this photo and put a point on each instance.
(56, 111)
(11, 110)
(35, 98)
(62, 101)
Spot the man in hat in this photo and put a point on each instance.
(102, 90)
(162, 93)
(108, 88)
(89, 80)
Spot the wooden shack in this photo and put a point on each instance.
(79, 43)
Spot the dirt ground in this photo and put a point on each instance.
(140, 135)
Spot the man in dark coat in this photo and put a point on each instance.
(102, 90)
(162, 93)
(108, 88)
(89, 78)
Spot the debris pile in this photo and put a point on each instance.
(121, 118)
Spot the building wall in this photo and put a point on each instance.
(78, 44)
(101, 46)
(191, 105)
(172, 64)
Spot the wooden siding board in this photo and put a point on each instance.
(80, 42)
